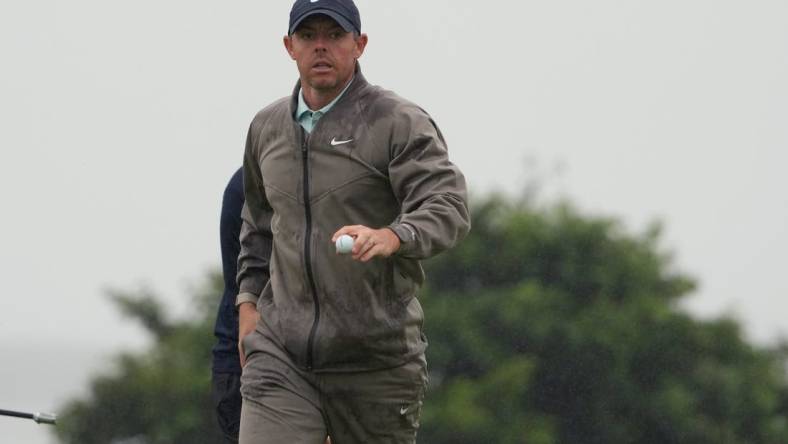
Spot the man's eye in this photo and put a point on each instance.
(336, 35)
(307, 35)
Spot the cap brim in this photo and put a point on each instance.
(343, 22)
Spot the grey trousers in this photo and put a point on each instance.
(283, 404)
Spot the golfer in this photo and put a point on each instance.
(333, 344)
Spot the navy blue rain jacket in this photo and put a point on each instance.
(225, 352)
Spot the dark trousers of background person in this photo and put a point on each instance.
(226, 394)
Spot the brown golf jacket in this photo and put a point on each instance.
(376, 160)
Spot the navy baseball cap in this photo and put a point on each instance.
(343, 12)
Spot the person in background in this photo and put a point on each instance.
(226, 370)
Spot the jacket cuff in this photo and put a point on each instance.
(407, 237)
(246, 297)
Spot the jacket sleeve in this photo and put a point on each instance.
(256, 238)
(431, 190)
(230, 231)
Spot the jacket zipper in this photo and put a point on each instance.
(308, 254)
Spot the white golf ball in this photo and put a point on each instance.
(344, 244)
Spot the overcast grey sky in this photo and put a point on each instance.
(121, 123)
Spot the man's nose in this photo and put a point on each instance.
(320, 43)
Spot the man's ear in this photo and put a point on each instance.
(288, 41)
(361, 43)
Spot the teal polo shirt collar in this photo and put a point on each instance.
(308, 118)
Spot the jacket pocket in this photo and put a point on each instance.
(403, 287)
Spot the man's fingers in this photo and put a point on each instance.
(247, 319)
(367, 242)
(351, 230)
(375, 250)
(359, 242)
(364, 241)
(363, 248)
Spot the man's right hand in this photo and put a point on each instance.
(247, 320)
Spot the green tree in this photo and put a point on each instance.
(545, 326)
(160, 396)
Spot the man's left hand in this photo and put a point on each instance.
(368, 242)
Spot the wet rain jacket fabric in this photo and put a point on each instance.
(376, 160)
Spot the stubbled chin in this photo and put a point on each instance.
(324, 79)
(323, 82)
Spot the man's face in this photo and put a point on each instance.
(324, 52)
